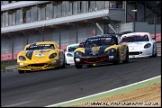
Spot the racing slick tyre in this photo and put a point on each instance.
(64, 63)
(127, 57)
(78, 66)
(116, 62)
(89, 66)
(154, 53)
(20, 71)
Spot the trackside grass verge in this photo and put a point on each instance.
(7, 63)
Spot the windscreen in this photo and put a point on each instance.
(100, 41)
(40, 46)
(72, 48)
(135, 38)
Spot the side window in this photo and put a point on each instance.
(56, 45)
(52, 46)
(145, 38)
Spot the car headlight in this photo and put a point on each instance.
(78, 54)
(22, 58)
(53, 55)
(147, 45)
(111, 51)
(69, 55)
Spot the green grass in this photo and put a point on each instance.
(7, 63)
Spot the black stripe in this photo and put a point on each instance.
(29, 54)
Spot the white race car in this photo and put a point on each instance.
(140, 44)
(69, 53)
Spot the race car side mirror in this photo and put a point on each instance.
(80, 45)
(153, 38)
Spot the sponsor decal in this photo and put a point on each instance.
(95, 50)
(44, 50)
(40, 55)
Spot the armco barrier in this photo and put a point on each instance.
(62, 47)
(8, 57)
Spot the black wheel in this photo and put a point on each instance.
(116, 62)
(154, 54)
(127, 57)
(64, 63)
(78, 66)
(21, 72)
(89, 66)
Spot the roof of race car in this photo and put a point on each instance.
(135, 33)
(46, 42)
(73, 45)
(104, 35)
(41, 42)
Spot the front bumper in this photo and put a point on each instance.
(140, 54)
(91, 60)
(38, 66)
(69, 60)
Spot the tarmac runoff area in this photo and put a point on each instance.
(116, 91)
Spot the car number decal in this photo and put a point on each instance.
(95, 48)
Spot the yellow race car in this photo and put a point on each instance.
(101, 49)
(40, 56)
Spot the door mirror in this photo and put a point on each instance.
(81, 44)
(153, 38)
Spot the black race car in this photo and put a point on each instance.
(101, 49)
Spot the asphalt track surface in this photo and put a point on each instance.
(39, 89)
